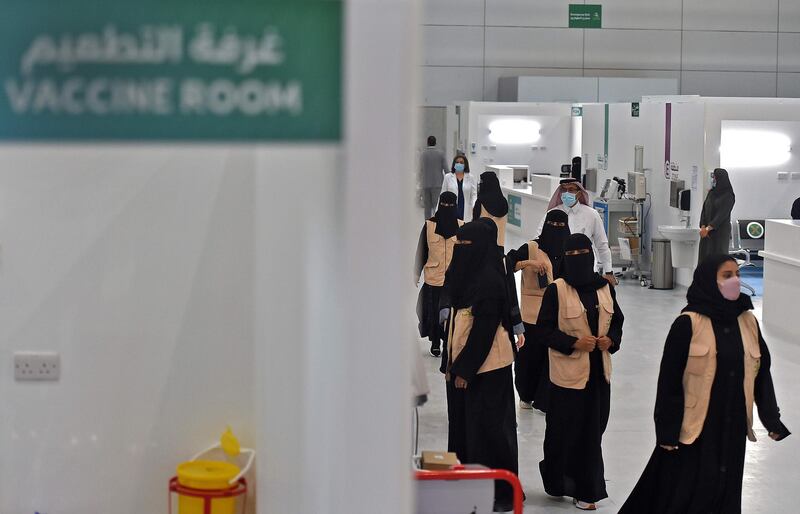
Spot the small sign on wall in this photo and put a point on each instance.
(585, 16)
(635, 109)
(515, 210)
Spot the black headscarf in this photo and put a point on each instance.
(704, 296)
(578, 270)
(491, 196)
(552, 238)
(796, 210)
(723, 181)
(473, 274)
(446, 217)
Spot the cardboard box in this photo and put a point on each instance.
(439, 461)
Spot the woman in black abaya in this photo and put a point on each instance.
(715, 220)
(480, 390)
(578, 411)
(434, 253)
(704, 475)
(540, 263)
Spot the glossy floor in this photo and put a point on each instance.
(772, 473)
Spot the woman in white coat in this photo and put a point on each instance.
(461, 183)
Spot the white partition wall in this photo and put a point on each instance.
(190, 286)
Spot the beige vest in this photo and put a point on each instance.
(701, 368)
(501, 354)
(440, 253)
(501, 225)
(572, 371)
(531, 293)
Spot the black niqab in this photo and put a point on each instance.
(578, 270)
(491, 196)
(704, 296)
(552, 238)
(796, 210)
(446, 217)
(472, 270)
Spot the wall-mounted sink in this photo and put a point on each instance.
(683, 244)
(680, 233)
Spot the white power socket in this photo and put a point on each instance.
(37, 366)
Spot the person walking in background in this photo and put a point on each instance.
(432, 169)
(434, 253)
(715, 220)
(461, 182)
(796, 210)
(715, 367)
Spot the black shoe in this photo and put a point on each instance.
(435, 352)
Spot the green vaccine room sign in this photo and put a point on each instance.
(585, 16)
(242, 70)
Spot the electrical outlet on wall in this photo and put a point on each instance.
(783, 175)
(37, 366)
(796, 175)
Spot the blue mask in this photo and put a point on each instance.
(569, 199)
(459, 167)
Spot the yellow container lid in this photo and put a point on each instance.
(207, 475)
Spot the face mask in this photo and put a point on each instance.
(459, 167)
(713, 182)
(569, 199)
(730, 288)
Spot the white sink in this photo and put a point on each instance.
(680, 233)
(683, 244)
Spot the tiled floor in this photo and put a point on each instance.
(772, 473)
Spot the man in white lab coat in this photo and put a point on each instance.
(573, 199)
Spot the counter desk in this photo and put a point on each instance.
(527, 206)
(781, 275)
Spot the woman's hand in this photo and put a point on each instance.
(668, 448)
(604, 343)
(520, 341)
(705, 231)
(585, 344)
(775, 436)
(461, 383)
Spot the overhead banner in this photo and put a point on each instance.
(247, 70)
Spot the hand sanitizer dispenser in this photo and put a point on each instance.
(685, 205)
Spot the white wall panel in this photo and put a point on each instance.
(632, 49)
(717, 83)
(453, 12)
(789, 85)
(453, 46)
(789, 52)
(642, 14)
(789, 16)
(442, 86)
(744, 15)
(493, 75)
(534, 48)
(660, 74)
(527, 13)
(729, 51)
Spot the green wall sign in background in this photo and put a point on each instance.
(585, 16)
(249, 70)
(515, 210)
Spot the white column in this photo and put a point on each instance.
(334, 253)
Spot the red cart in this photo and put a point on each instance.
(458, 473)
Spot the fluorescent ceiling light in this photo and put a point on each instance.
(514, 131)
(754, 148)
